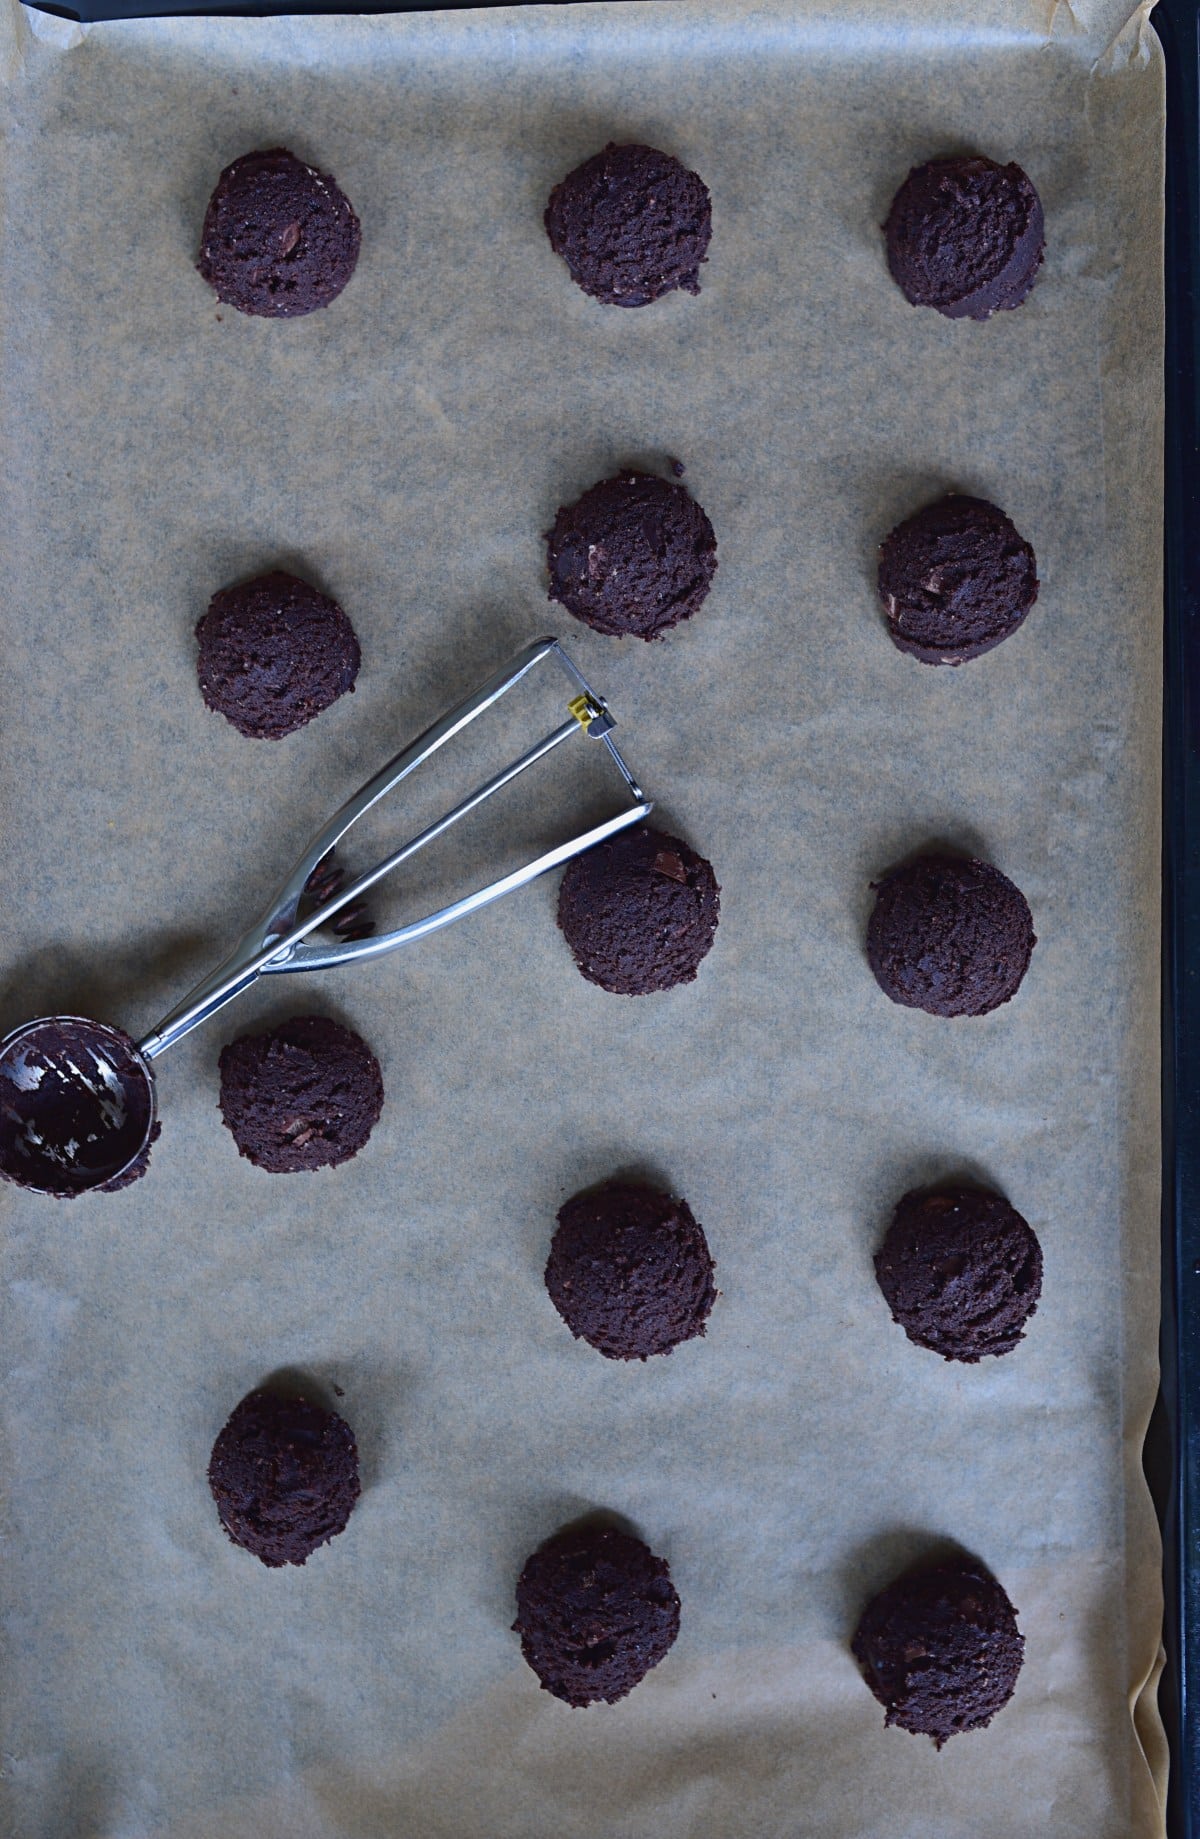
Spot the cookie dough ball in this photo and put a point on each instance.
(966, 236)
(595, 1611)
(305, 1095)
(949, 935)
(284, 1475)
(279, 238)
(639, 912)
(955, 580)
(961, 1272)
(940, 1649)
(630, 1271)
(636, 554)
(273, 654)
(631, 224)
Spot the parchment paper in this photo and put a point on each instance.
(406, 449)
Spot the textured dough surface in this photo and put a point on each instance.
(630, 1271)
(273, 653)
(305, 1095)
(631, 224)
(635, 555)
(955, 580)
(639, 912)
(965, 236)
(950, 935)
(961, 1272)
(284, 1475)
(280, 239)
(596, 1609)
(940, 1650)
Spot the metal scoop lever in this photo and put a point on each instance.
(277, 942)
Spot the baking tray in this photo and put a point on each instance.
(1175, 1456)
(210, 10)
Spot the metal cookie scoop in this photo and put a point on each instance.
(77, 1097)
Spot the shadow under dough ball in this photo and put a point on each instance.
(961, 1272)
(284, 1475)
(965, 236)
(949, 935)
(279, 238)
(274, 653)
(596, 1610)
(634, 556)
(955, 580)
(940, 1649)
(630, 1271)
(639, 912)
(631, 224)
(305, 1095)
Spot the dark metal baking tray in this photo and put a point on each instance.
(1173, 1448)
(1174, 1456)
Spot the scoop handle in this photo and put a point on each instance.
(276, 943)
(212, 994)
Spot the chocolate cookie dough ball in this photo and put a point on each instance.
(949, 935)
(279, 238)
(639, 912)
(940, 1649)
(966, 236)
(961, 1272)
(596, 1610)
(636, 554)
(955, 580)
(630, 1271)
(284, 1475)
(305, 1095)
(631, 224)
(273, 654)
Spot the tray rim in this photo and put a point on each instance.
(1171, 1456)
